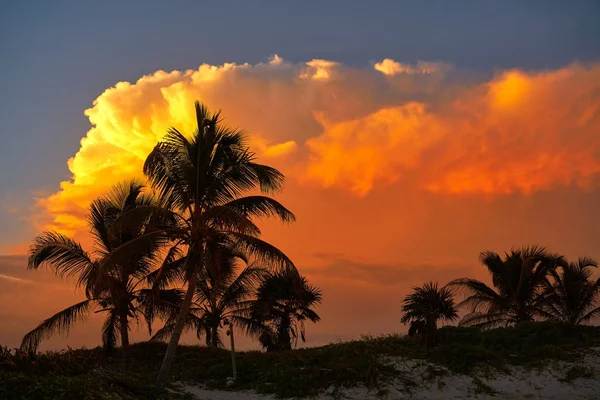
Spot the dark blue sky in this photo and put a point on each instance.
(57, 56)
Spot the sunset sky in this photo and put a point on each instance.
(413, 134)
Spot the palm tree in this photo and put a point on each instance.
(207, 179)
(518, 279)
(571, 295)
(283, 302)
(221, 291)
(424, 307)
(120, 290)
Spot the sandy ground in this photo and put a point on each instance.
(423, 381)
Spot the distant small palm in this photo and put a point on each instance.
(120, 290)
(518, 279)
(424, 307)
(571, 295)
(283, 303)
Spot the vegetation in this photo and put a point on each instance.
(283, 302)
(220, 293)
(302, 372)
(424, 307)
(518, 279)
(570, 295)
(207, 180)
(120, 289)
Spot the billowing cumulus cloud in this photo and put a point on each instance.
(516, 133)
(328, 125)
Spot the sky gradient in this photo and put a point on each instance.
(413, 135)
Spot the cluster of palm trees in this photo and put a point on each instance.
(186, 250)
(528, 283)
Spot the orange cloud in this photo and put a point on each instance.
(356, 154)
(330, 125)
(520, 132)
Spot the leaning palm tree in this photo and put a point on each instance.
(571, 295)
(208, 178)
(283, 303)
(517, 278)
(424, 307)
(120, 291)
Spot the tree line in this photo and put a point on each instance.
(528, 284)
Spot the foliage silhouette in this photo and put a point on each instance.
(424, 307)
(208, 180)
(283, 303)
(570, 295)
(518, 280)
(220, 293)
(120, 289)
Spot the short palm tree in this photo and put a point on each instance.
(209, 178)
(284, 301)
(517, 279)
(220, 293)
(424, 307)
(120, 290)
(571, 295)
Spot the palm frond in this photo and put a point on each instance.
(264, 253)
(261, 207)
(59, 252)
(60, 323)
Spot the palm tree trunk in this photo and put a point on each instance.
(430, 332)
(284, 340)
(124, 337)
(233, 366)
(167, 363)
(214, 330)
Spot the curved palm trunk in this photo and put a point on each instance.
(124, 326)
(167, 363)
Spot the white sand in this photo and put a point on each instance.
(424, 381)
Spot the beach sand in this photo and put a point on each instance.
(578, 379)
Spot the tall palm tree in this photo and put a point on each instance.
(208, 178)
(571, 295)
(518, 280)
(424, 307)
(119, 290)
(283, 302)
(221, 291)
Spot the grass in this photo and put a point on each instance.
(88, 374)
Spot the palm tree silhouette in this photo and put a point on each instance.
(518, 279)
(283, 302)
(424, 307)
(121, 289)
(207, 179)
(570, 295)
(221, 291)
